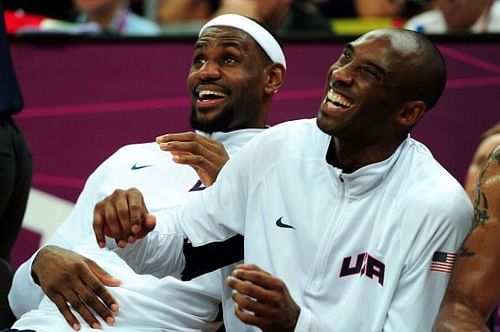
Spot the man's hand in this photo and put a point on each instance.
(205, 155)
(262, 300)
(73, 281)
(123, 216)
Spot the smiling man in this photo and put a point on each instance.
(349, 224)
(237, 66)
(459, 16)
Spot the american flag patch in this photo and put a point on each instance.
(443, 261)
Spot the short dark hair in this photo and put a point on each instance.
(431, 68)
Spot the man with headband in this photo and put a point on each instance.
(236, 69)
(349, 224)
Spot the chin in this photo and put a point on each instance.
(324, 124)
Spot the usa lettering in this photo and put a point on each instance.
(365, 265)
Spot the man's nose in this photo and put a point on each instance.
(342, 75)
(209, 70)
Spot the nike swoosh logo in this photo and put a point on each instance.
(136, 167)
(279, 223)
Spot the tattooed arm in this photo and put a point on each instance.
(474, 287)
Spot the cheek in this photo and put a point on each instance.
(190, 81)
(250, 84)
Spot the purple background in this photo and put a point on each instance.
(86, 98)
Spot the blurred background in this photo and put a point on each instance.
(99, 74)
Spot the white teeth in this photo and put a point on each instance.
(338, 99)
(204, 93)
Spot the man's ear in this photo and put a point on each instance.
(411, 112)
(275, 75)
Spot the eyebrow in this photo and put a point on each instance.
(224, 44)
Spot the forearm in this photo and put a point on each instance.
(458, 314)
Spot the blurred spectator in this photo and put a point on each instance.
(284, 17)
(55, 9)
(91, 16)
(489, 140)
(369, 8)
(378, 8)
(114, 16)
(477, 16)
(180, 11)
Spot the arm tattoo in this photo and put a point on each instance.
(481, 215)
(480, 211)
(479, 219)
(481, 201)
(465, 252)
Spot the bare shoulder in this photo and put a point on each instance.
(487, 193)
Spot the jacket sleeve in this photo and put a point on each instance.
(219, 212)
(308, 322)
(433, 233)
(214, 215)
(160, 252)
(76, 229)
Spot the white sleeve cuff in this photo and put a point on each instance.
(24, 294)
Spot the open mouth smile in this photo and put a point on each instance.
(209, 98)
(337, 101)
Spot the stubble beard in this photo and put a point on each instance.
(221, 122)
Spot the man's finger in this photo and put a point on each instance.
(63, 307)
(106, 278)
(113, 224)
(258, 277)
(98, 224)
(137, 210)
(248, 288)
(147, 226)
(76, 302)
(91, 300)
(245, 316)
(97, 286)
(121, 211)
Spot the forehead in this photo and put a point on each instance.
(386, 48)
(221, 36)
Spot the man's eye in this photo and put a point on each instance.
(347, 55)
(229, 59)
(345, 58)
(199, 61)
(370, 73)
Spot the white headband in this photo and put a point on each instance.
(270, 46)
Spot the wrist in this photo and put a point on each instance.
(36, 263)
